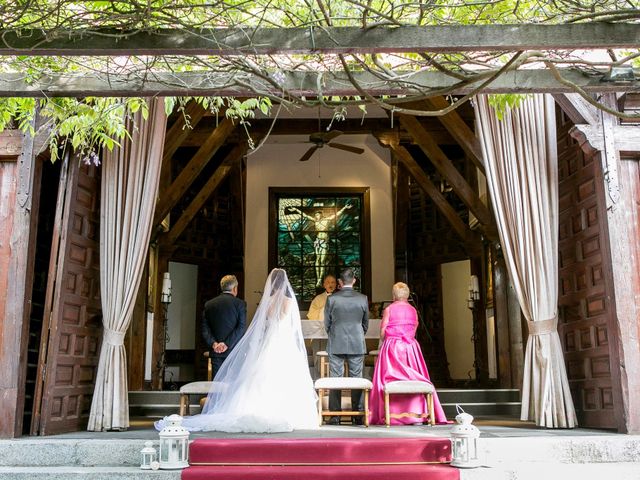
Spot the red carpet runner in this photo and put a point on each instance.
(321, 458)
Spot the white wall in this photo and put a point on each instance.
(276, 164)
(458, 320)
(181, 315)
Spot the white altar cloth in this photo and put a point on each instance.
(314, 329)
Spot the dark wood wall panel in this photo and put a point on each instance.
(585, 308)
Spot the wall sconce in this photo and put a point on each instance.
(474, 291)
(165, 296)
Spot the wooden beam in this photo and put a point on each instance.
(501, 319)
(207, 190)
(479, 314)
(459, 130)
(442, 163)
(577, 108)
(10, 145)
(401, 208)
(516, 344)
(179, 131)
(135, 340)
(441, 203)
(626, 138)
(19, 196)
(305, 126)
(159, 264)
(298, 83)
(325, 40)
(174, 138)
(192, 170)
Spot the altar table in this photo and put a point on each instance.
(314, 329)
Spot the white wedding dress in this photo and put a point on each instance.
(264, 385)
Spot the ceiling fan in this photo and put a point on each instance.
(320, 139)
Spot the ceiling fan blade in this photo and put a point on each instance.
(328, 136)
(347, 148)
(308, 153)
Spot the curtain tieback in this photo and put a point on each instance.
(541, 327)
(112, 337)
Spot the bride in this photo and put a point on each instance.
(264, 385)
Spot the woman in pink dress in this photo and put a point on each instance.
(400, 358)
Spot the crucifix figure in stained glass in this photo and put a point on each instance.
(322, 225)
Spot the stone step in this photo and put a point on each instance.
(506, 471)
(487, 395)
(86, 473)
(73, 452)
(569, 448)
(553, 471)
(502, 409)
(477, 402)
(599, 448)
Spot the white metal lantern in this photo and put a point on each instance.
(464, 437)
(174, 444)
(148, 454)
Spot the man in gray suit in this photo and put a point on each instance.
(346, 319)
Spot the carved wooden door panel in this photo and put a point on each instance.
(586, 313)
(72, 328)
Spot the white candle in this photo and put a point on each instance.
(476, 285)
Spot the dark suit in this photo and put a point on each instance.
(346, 319)
(223, 320)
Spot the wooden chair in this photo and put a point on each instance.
(326, 384)
(193, 388)
(408, 387)
(324, 364)
(209, 365)
(197, 388)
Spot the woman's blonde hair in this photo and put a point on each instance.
(401, 291)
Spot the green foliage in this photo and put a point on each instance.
(507, 101)
(149, 14)
(91, 124)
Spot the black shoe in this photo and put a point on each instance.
(333, 421)
(357, 421)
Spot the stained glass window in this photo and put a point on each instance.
(318, 235)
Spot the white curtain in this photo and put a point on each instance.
(130, 176)
(522, 173)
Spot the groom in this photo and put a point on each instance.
(346, 319)
(223, 321)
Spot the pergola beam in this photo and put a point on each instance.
(326, 40)
(297, 83)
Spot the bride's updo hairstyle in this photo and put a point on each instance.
(278, 279)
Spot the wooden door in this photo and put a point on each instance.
(72, 326)
(587, 313)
